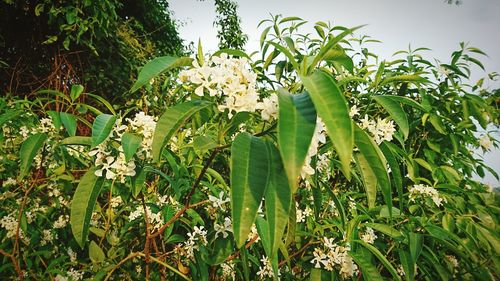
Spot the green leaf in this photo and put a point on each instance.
(9, 115)
(29, 149)
(396, 111)
(385, 229)
(203, 143)
(130, 143)
(376, 161)
(69, 122)
(369, 179)
(381, 258)
(138, 182)
(331, 43)
(363, 259)
(157, 66)
(287, 53)
(56, 118)
(318, 274)
(102, 127)
(76, 91)
(395, 170)
(83, 203)
(407, 101)
(408, 264)
(415, 241)
(415, 78)
(77, 140)
(278, 199)
(170, 122)
(249, 178)
(334, 111)
(96, 254)
(296, 125)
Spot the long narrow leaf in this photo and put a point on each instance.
(332, 107)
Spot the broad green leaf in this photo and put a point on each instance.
(203, 143)
(396, 111)
(433, 260)
(296, 125)
(102, 127)
(249, 178)
(415, 78)
(381, 258)
(9, 115)
(130, 143)
(138, 182)
(369, 179)
(408, 264)
(56, 118)
(415, 241)
(77, 140)
(332, 107)
(338, 56)
(278, 199)
(83, 204)
(29, 149)
(76, 91)
(96, 254)
(395, 170)
(362, 257)
(437, 124)
(407, 101)
(264, 235)
(69, 122)
(318, 274)
(157, 66)
(385, 229)
(377, 162)
(170, 122)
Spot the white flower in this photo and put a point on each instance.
(9, 182)
(452, 260)
(269, 107)
(485, 142)
(61, 222)
(223, 228)
(381, 130)
(253, 234)
(369, 236)
(353, 111)
(266, 270)
(220, 202)
(420, 190)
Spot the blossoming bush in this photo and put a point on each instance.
(309, 160)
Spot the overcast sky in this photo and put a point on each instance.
(397, 23)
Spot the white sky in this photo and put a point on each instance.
(397, 23)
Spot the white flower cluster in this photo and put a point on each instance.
(485, 142)
(381, 130)
(318, 138)
(71, 275)
(452, 260)
(61, 222)
(145, 126)
(10, 224)
(155, 219)
(301, 215)
(420, 190)
(331, 255)
(198, 235)
(369, 235)
(253, 234)
(110, 161)
(233, 79)
(9, 182)
(266, 270)
(228, 272)
(47, 237)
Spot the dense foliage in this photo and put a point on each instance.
(309, 160)
(228, 26)
(100, 44)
